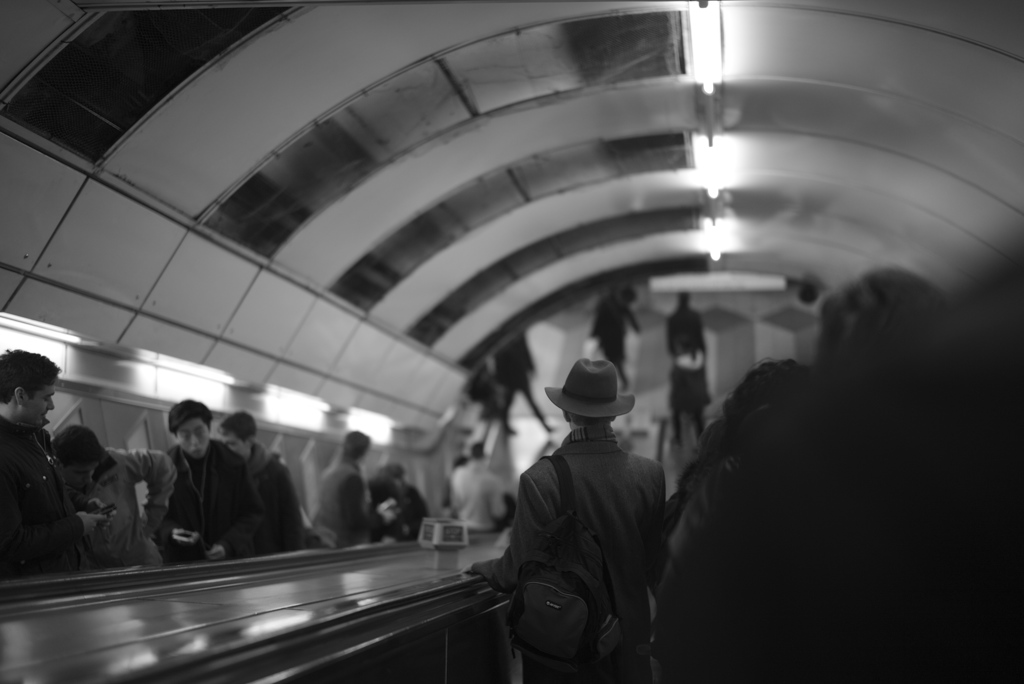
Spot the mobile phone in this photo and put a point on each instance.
(108, 509)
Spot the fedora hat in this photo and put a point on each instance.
(591, 389)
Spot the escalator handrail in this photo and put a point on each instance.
(121, 581)
(333, 627)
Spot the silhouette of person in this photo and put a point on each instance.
(613, 313)
(513, 366)
(689, 385)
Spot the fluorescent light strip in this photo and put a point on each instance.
(171, 363)
(298, 398)
(719, 281)
(706, 44)
(709, 161)
(713, 238)
(38, 329)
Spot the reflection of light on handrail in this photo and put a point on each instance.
(133, 661)
(275, 624)
(706, 41)
(366, 602)
(37, 328)
(197, 645)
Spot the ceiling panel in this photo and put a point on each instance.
(374, 209)
(35, 192)
(80, 314)
(322, 336)
(974, 153)
(157, 336)
(424, 381)
(287, 375)
(26, 28)
(202, 286)
(400, 364)
(363, 355)
(270, 314)
(339, 394)
(240, 363)
(852, 165)
(958, 76)
(83, 252)
(447, 391)
(429, 284)
(220, 126)
(8, 283)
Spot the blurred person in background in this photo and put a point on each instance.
(345, 517)
(513, 366)
(111, 475)
(478, 495)
(282, 528)
(215, 508)
(614, 312)
(41, 528)
(688, 379)
(411, 505)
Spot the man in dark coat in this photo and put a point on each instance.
(40, 529)
(215, 508)
(689, 385)
(620, 498)
(281, 529)
(613, 314)
(513, 366)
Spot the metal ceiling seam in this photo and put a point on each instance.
(886, 150)
(45, 55)
(124, 188)
(27, 275)
(664, 92)
(198, 73)
(741, 4)
(898, 199)
(435, 57)
(924, 104)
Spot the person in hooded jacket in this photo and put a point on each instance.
(111, 475)
(282, 528)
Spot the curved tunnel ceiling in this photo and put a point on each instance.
(396, 183)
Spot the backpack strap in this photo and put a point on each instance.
(566, 489)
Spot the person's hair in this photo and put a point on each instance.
(587, 421)
(356, 444)
(477, 450)
(240, 424)
(29, 371)
(874, 309)
(627, 294)
(769, 384)
(185, 411)
(393, 470)
(77, 445)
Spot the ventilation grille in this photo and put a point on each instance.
(100, 84)
(489, 282)
(573, 294)
(394, 116)
(482, 200)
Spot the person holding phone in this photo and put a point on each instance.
(215, 508)
(110, 475)
(42, 527)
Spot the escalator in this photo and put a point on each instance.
(379, 613)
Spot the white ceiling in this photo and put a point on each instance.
(860, 133)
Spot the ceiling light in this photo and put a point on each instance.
(719, 281)
(710, 161)
(713, 238)
(38, 329)
(706, 44)
(195, 369)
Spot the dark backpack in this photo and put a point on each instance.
(561, 612)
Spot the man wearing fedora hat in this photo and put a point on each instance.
(619, 496)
